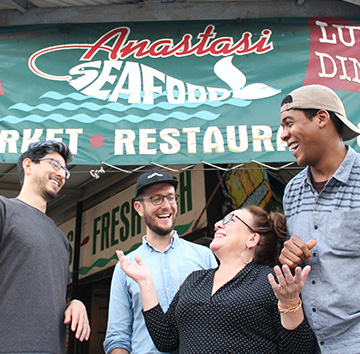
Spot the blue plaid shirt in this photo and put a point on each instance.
(331, 294)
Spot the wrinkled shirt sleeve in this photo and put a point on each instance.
(119, 329)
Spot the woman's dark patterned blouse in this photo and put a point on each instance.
(241, 317)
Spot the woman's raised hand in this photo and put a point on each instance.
(288, 288)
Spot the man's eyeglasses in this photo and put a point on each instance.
(56, 165)
(159, 199)
(230, 217)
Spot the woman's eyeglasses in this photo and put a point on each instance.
(230, 217)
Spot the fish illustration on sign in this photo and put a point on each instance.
(138, 92)
(90, 80)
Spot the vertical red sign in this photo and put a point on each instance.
(334, 54)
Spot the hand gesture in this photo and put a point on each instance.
(289, 287)
(76, 315)
(139, 272)
(295, 251)
(142, 275)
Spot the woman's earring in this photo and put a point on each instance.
(242, 258)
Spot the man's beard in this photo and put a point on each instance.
(157, 229)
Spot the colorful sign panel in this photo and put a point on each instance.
(248, 186)
(168, 92)
(115, 225)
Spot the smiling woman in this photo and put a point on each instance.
(233, 308)
(251, 234)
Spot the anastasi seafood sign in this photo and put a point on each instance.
(168, 92)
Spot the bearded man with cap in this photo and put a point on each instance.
(322, 205)
(170, 259)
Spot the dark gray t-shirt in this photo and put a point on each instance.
(34, 273)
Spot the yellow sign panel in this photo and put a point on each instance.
(248, 186)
